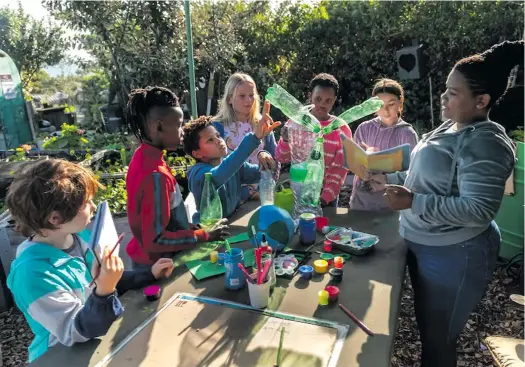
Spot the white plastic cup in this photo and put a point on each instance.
(259, 293)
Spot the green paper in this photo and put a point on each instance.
(241, 237)
(202, 269)
(197, 253)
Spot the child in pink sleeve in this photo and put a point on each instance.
(322, 94)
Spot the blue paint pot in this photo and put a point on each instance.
(220, 258)
(306, 272)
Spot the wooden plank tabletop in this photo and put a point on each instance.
(371, 289)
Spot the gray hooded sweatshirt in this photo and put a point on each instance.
(458, 180)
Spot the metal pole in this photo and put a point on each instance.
(431, 104)
(191, 65)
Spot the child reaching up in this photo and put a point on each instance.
(52, 203)
(238, 115)
(156, 213)
(385, 131)
(229, 171)
(322, 94)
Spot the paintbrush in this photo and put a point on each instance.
(255, 236)
(246, 274)
(356, 320)
(227, 245)
(110, 253)
(262, 275)
(279, 351)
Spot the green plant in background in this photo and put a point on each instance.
(72, 138)
(517, 135)
(115, 194)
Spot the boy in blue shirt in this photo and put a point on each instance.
(52, 203)
(204, 143)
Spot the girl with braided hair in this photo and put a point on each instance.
(450, 196)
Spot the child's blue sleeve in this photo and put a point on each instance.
(250, 173)
(235, 161)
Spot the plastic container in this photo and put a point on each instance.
(214, 256)
(336, 274)
(338, 262)
(329, 258)
(220, 258)
(152, 292)
(267, 188)
(327, 246)
(307, 233)
(320, 223)
(306, 272)
(320, 266)
(234, 278)
(259, 293)
(323, 297)
(333, 292)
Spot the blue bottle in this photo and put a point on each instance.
(233, 275)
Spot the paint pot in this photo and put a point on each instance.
(329, 258)
(152, 292)
(327, 246)
(320, 266)
(306, 272)
(338, 262)
(336, 274)
(333, 292)
(320, 222)
(214, 255)
(307, 233)
(323, 298)
(220, 258)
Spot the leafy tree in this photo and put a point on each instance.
(32, 44)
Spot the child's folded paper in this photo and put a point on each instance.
(390, 160)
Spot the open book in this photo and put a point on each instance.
(104, 233)
(389, 160)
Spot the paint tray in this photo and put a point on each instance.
(352, 242)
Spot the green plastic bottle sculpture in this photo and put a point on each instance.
(313, 183)
(292, 108)
(210, 206)
(355, 113)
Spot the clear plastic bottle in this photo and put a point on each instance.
(292, 108)
(313, 183)
(210, 208)
(267, 188)
(355, 113)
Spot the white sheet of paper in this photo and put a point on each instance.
(104, 231)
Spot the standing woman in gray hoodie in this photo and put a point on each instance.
(449, 198)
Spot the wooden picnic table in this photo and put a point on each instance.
(371, 289)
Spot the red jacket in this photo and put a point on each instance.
(156, 213)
